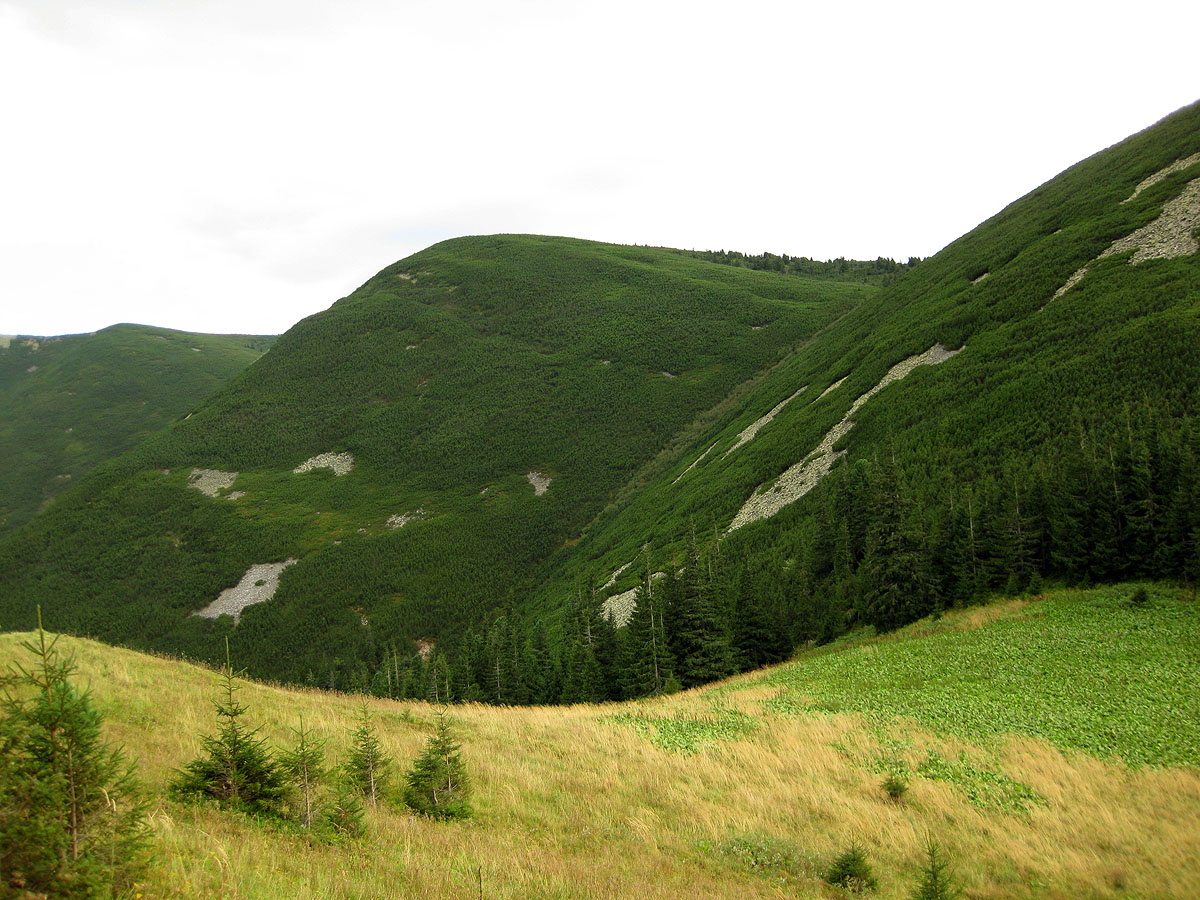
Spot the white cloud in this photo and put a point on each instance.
(234, 165)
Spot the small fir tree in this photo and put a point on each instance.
(304, 766)
(71, 821)
(368, 769)
(852, 871)
(895, 786)
(343, 818)
(237, 770)
(437, 783)
(936, 880)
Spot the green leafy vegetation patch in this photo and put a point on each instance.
(690, 734)
(1084, 670)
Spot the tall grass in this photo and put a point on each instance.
(573, 802)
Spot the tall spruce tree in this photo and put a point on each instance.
(72, 823)
(649, 667)
(757, 639)
(544, 678)
(897, 583)
(701, 638)
(438, 688)
(581, 674)
(1070, 505)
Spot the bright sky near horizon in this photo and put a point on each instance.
(236, 165)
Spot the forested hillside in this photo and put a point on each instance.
(524, 469)
(421, 451)
(68, 403)
(1019, 408)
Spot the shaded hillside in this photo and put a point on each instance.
(744, 789)
(68, 403)
(421, 449)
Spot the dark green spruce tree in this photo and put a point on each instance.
(897, 584)
(581, 675)
(236, 770)
(649, 667)
(72, 823)
(437, 783)
(701, 638)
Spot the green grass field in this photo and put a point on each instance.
(1083, 671)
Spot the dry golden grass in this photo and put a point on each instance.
(570, 803)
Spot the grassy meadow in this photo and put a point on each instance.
(1051, 745)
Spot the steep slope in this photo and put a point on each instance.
(748, 788)
(68, 403)
(421, 449)
(1018, 407)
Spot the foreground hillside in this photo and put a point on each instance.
(69, 403)
(1051, 746)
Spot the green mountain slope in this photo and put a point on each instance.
(1058, 441)
(510, 434)
(453, 386)
(68, 403)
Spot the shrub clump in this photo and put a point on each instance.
(761, 854)
(852, 871)
(895, 786)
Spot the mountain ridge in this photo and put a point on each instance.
(524, 410)
(106, 389)
(397, 350)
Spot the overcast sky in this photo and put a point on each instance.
(235, 165)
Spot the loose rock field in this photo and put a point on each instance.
(801, 478)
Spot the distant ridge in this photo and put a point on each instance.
(70, 402)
